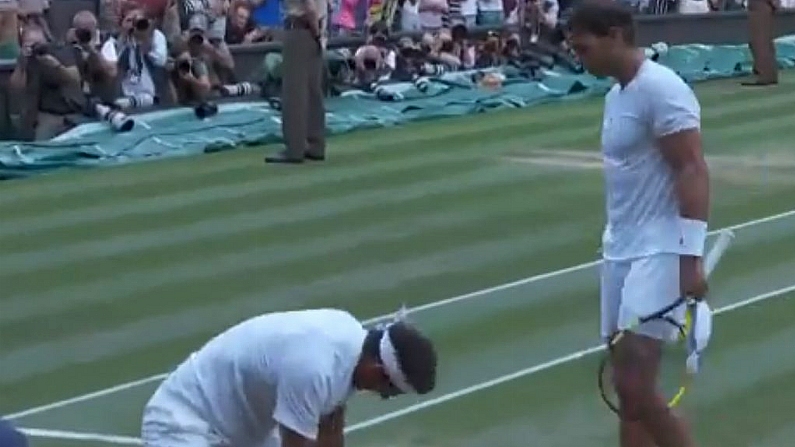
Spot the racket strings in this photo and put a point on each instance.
(672, 377)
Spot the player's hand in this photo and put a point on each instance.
(692, 280)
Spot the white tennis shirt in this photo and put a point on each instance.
(287, 368)
(642, 206)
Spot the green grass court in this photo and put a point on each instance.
(113, 275)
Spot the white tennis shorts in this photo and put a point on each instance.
(170, 421)
(639, 287)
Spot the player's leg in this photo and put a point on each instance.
(169, 422)
(651, 284)
(631, 434)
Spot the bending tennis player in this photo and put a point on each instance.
(657, 194)
(282, 380)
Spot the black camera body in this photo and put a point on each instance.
(40, 49)
(184, 65)
(142, 24)
(196, 39)
(83, 36)
(370, 64)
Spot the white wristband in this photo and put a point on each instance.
(693, 237)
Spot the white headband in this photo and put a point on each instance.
(392, 365)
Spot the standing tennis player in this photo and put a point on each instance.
(657, 194)
(282, 380)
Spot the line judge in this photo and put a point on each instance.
(282, 380)
(303, 112)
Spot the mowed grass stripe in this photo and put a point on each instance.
(185, 208)
(253, 219)
(279, 284)
(749, 393)
(156, 328)
(391, 234)
(376, 141)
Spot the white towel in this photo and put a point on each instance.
(699, 335)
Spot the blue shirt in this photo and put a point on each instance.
(269, 13)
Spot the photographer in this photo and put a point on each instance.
(463, 48)
(215, 54)
(374, 60)
(490, 52)
(189, 76)
(511, 47)
(211, 17)
(142, 58)
(371, 66)
(96, 57)
(50, 84)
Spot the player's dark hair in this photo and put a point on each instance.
(372, 344)
(416, 355)
(598, 17)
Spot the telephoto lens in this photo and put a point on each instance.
(142, 24)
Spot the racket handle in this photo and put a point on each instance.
(724, 241)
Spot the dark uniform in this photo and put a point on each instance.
(761, 21)
(303, 113)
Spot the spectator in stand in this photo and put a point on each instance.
(343, 21)
(490, 13)
(694, 6)
(409, 13)
(50, 84)
(431, 13)
(541, 16)
(9, 30)
(241, 27)
(33, 13)
(469, 12)
(267, 13)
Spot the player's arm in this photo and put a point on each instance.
(300, 395)
(676, 117)
(332, 429)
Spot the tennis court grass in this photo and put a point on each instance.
(114, 274)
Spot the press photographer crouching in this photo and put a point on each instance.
(46, 77)
(415, 61)
(375, 60)
(190, 79)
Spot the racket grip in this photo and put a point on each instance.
(724, 241)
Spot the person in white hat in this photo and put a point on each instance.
(282, 379)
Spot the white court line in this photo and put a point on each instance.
(113, 439)
(79, 436)
(444, 302)
(537, 368)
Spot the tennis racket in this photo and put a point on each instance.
(683, 380)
